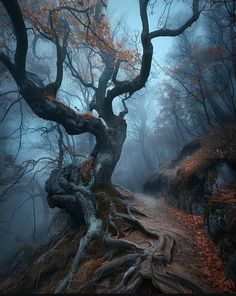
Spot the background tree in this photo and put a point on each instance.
(87, 190)
(201, 91)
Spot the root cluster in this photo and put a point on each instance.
(127, 264)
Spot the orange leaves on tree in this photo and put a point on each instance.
(97, 34)
(88, 116)
(39, 19)
(94, 30)
(127, 55)
(44, 8)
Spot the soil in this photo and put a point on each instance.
(195, 256)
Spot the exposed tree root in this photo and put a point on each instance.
(82, 196)
(115, 265)
(122, 244)
(133, 210)
(133, 270)
(139, 264)
(94, 228)
(125, 264)
(151, 232)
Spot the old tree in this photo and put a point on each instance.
(86, 190)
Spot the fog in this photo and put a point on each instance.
(180, 102)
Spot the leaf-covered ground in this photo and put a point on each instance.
(206, 252)
(196, 256)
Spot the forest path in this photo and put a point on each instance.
(185, 259)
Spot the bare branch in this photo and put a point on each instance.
(14, 12)
(176, 32)
(77, 75)
(8, 92)
(138, 82)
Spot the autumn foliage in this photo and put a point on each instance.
(87, 24)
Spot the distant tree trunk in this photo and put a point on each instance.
(179, 128)
(221, 116)
(146, 156)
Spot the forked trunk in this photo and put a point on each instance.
(90, 177)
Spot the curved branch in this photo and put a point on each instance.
(180, 30)
(115, 73)
(61, 51)
(9, 108)
(139, 81)
(13, 9)
(8, 92)
(77, 75)
(41, 105)
(73, 122)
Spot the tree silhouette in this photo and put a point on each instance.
(87, 190)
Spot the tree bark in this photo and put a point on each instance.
(106, 156)
(85, 191)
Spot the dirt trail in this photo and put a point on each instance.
(184, 258)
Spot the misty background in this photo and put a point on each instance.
(191, 90)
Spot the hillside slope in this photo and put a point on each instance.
(48, 264)
(201, 180)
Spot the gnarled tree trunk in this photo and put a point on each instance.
(86, 192)
(107, 154)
